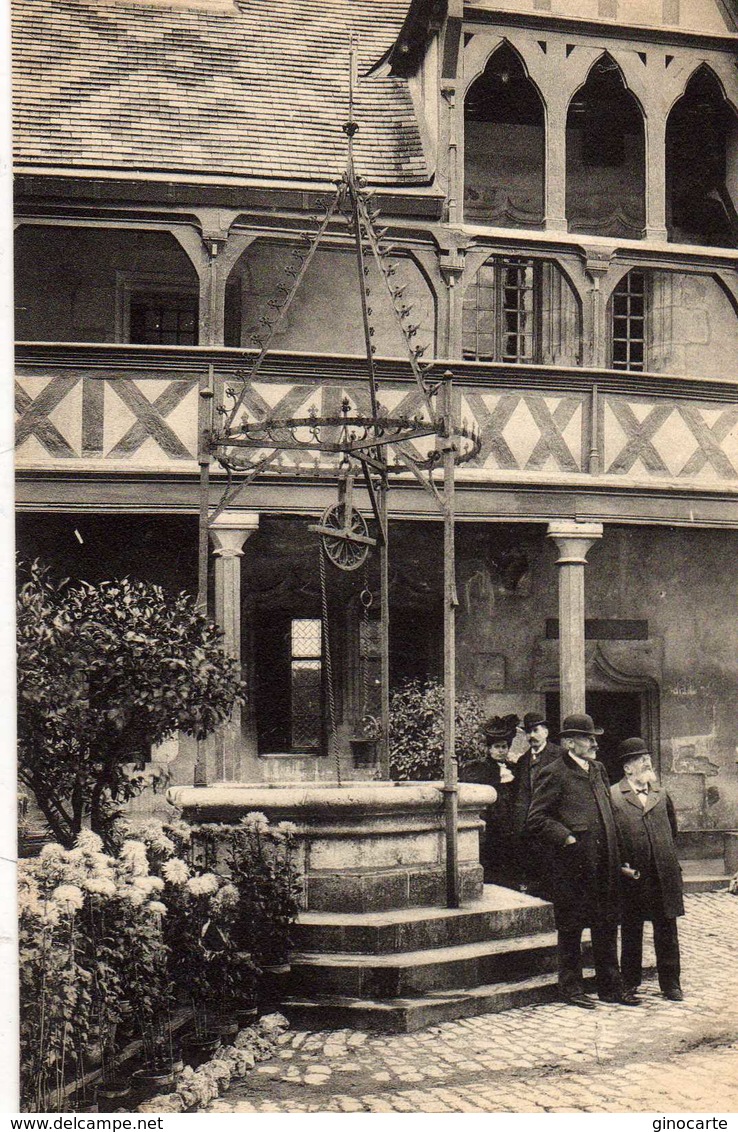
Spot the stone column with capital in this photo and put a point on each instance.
(573, 539)
(228, 533)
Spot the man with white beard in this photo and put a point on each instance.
(651, 876)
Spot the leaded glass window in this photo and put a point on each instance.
(306, 669)
(501, 310)
(629, 323)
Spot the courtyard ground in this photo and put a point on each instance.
(662, 1057)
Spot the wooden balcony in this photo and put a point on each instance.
(117, 414)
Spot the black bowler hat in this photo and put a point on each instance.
(631, 749)
(532, 719)
(499, 728)
(579, 725)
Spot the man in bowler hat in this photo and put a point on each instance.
(541, 751)
(572, 813)
(651, 875)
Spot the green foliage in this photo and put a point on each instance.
(416, 731)
(261, 859)
(104, 672)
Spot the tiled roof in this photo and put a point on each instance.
(258, 89)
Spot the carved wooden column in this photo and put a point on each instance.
(228, 534)
(555, 168)
(595, 332)
(452, 269)
(655, 127)
(573, 540)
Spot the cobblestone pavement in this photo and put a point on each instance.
(662, 1057)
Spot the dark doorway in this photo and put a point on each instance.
(619, 713)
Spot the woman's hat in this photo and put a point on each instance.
(500, 727)
(631, 749)
(579, 725)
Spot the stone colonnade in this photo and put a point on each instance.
(221, 757)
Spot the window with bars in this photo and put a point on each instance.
(164, 319)
(629, 322)
(502, 310)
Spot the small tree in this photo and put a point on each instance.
(416, 730)
(104, 672)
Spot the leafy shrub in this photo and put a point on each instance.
(416, 730)
(104, 672)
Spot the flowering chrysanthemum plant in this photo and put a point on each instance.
(90, 941)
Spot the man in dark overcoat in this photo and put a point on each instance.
(532, 853)
(572, 813)
(651, 875)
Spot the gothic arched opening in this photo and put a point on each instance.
(701, 147)
(605, 156)
(504, 139)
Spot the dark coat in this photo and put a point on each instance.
(498, 817)
(585, 876)
(646, 835)
(526, 776)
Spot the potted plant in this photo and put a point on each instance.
(365, 741)
(263, 868)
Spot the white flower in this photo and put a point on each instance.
(148, 884)
(53, 852)
(50, 914)
(133, 854)
(89, 842)
(68, 897)
(104, 886)
(255, 820)
(157, 907)
(135, 895)
(175, 870)
(227, 897)
(288, 828)
(29, 902)
(153, 834)
(180, 829)
(204, 885)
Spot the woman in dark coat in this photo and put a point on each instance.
(652, 877)
(497, 849)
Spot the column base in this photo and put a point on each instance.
(655, 235)
(555, 224)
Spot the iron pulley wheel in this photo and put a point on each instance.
(349, 547)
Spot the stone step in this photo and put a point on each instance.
(501, 913)
(405, 1015)
(704, 874)
(708, 882)
(396, 975)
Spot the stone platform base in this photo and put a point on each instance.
(361, 847)
(403, 970)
